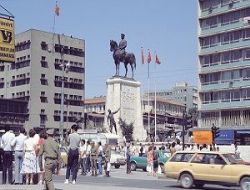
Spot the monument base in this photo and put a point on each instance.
(124, 93)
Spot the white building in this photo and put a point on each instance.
(36, 76)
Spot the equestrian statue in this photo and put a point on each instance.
(120, 55)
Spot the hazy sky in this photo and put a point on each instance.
(167, 27)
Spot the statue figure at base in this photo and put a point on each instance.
(111, 120)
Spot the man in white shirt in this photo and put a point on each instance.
(18, 144)
(7, 155)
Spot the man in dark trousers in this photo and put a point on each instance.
(7, 138)
(73, 155)
(50, 150)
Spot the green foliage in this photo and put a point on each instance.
(127, 129)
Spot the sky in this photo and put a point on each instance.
(166, 27)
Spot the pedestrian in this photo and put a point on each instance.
(42, 138)
(93, 158)
(88, 163)
(236, 151)
(155, 161)
(7, 138)
(150, 160)
(73, 154)
(162, 147)
(51, 152)
(128, 156)
(142, 150)
(18, 144)
(107, 156)
(178, 146)
(83, 149)
(172, 148)
(30, 165)
(100, 157)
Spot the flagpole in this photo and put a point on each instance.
(148, 103)
(155, 104)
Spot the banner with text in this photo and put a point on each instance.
(7, 40)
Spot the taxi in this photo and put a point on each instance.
(197, 168)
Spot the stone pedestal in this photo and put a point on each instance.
(125, 94)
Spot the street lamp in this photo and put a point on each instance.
(65, 68)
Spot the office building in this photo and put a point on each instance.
(37, 76)
(224, 63)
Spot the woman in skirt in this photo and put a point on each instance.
(30, 165)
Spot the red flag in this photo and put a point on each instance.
(149, 57)
(142, 56)
(157, 60)
(57, 10)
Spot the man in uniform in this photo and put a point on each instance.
(122, 46)
(93, 158)
(107, 154)
(111, 120)
(52, 157)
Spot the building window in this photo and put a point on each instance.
(44, 46)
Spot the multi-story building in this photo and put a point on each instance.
(182, 93)
(224, 63)
(36, 76)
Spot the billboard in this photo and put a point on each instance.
(7, 40)
(202, 137)
(225, 137)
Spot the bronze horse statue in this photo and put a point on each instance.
(119, 57)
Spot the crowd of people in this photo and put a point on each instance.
(38, 156)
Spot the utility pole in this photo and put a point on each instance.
(184, 118)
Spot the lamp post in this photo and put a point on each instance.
(65, 68)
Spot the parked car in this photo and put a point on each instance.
(140, 162)
(117, 159)
(199, 168)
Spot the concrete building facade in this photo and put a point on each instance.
(182, 93)
(224, 63)
(36, 76)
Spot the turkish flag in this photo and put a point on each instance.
(157, 60)
(149, 57)
(57, 10)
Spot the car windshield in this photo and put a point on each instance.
(232, 158)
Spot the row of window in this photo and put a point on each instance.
(225, 76)
(69, 80)
(225, 38)
(213, 4)
(64, 49)
(224, 57)
(22, 46)
(225, 96)
(224, 19)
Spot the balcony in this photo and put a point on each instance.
(224, 85)
(224, 8)
(223, 67)
(241, 44)
(225, 105)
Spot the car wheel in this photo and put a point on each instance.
(245, 183)
(133, 166)
(117, 166)
(199, 185)
(186, 180)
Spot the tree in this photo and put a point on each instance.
(127, 129)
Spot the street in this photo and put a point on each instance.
(118, 180)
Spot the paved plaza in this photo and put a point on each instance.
(119, 180)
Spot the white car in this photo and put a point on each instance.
(117, 159)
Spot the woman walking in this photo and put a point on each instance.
(150, 160)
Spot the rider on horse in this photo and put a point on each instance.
(122, 46)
